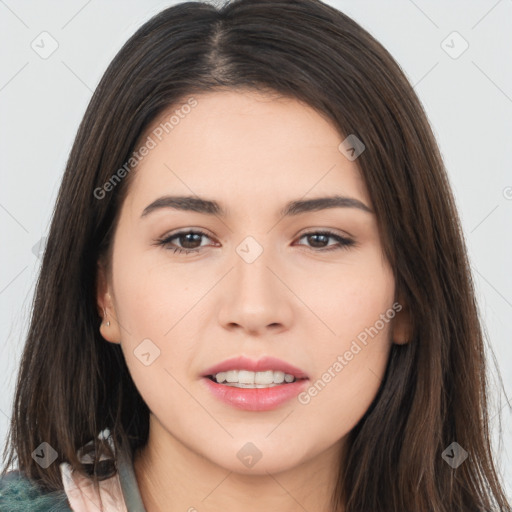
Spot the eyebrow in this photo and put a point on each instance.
(210, 207)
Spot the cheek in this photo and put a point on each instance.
(151, 308)
(350, 361)
(150, 303)
(349, 299)
(151, 294)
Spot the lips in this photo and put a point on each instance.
(254, 399)
(261, 365)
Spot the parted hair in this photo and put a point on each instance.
(72, 384)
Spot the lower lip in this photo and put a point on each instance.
(256, 399)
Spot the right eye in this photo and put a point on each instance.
(187, 237)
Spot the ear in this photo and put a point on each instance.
(402, 330)
(109, 328)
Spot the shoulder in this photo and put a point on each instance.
(19, 494)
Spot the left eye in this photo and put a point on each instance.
(321, 236)
(188, 238)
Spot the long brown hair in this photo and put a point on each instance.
(72, 384)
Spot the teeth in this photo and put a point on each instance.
(280, 376)
(247, 379)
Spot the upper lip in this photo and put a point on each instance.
(261, 365)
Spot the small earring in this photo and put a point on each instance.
(105, 313)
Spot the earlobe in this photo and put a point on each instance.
(109, 327)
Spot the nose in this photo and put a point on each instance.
(255, 298)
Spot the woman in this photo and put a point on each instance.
(255, 291)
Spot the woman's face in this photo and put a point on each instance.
(259, 284)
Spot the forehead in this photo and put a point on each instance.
(246, 147)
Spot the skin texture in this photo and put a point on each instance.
(297, 302)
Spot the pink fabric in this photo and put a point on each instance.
(84, 498)
(82, 495)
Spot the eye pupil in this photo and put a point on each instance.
(189, 240)
(325, 238)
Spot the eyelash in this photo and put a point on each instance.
(344, 243)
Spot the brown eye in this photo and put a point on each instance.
(190, 241)
(319, 239)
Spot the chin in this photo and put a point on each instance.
(260, 457)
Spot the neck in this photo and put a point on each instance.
(173, 478)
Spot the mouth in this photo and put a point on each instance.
(253, 380)
(261, 385)
(243, 372)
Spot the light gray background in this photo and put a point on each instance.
(468, 100)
